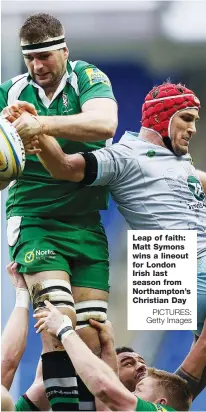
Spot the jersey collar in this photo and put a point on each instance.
(59, 89)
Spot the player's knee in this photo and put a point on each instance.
(90, 309)
(56, 291)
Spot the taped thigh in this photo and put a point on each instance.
(56, 291)
(95, 309)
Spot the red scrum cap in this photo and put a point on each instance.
(163, 102)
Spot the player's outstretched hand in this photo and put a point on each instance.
(105, 331)
(16, 278)
(14, 111)
(49, 320)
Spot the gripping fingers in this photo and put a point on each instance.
(25, 106)
(40, 325)
(12, 113)
(42, 314)
(32, 146)
(11, 268)
(41, 328)
(32, 151)
(15, 111)
(7, 115)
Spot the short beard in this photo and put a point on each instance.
(178, 152)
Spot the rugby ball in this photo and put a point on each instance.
(12, 154)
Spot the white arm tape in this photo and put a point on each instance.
(67, 325)
(22, 298)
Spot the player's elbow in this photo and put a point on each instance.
(102, 390)
(105, 393)
(110, 127)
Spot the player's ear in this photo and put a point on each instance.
(161, 401)
(66, 52)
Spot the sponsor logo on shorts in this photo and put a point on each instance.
(29, 256)
(196, 188)
(39, 255)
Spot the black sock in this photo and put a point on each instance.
(60, 381)
(86, 398)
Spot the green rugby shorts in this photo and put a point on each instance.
(77, 246)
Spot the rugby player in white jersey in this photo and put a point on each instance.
(150, 175)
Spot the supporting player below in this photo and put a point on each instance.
(159, 391)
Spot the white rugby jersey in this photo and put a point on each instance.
(153, 188)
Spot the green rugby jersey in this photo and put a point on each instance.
(36, 193)
(144, 406)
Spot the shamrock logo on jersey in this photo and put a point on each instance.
(65, 102)
(196, 188)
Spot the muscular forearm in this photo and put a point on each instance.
(90, 126)
(88, 366)
(13, 344)
(60, 165)
(97, 376)
(108, 355)
(195, 361)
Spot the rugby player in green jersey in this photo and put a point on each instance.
(132, 367)
(160, 391)
(54, 228)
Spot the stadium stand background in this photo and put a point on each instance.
(138, 44)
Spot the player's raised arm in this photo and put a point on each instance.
(98, 377)
(13, 344)
(106, 338)
(60, 165)
(98, 121)
(194, 365)
(97, 168)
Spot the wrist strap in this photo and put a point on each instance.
(22, 298)
(65, 329)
